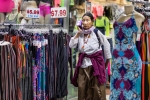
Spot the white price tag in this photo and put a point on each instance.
(43, 43)
(33, 13)
(34, 43)
(138, 37)
(58, 12)
(39, 44)
(46, 41)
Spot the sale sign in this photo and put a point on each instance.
(58, 12)
(33, 13)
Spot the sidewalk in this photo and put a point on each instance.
(107, 95)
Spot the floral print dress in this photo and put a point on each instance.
(126, 63)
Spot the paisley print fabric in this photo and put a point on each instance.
(126, 63)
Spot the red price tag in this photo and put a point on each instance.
(33, 12)
(64, 12)
(52, 13)
(59, 12)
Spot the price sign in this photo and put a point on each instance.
(59, 12)
(33, 13)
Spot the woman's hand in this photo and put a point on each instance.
(78, 34)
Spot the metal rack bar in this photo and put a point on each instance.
(50, 25)
(142, 2)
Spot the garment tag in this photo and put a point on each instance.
(46, 41)
(43, 43)
(33, 42)
(11, 39)
(138, 37)
(39, 44)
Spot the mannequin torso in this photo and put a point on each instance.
(44, 11)
(28, 4)
(14, 14)
(44, 3)
(129, 10)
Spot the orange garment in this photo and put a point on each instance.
(143, 57)
(56, 21)
(15, 40)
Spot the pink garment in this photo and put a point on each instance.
(94, 12)
(97, 11)
(6, 6)
(57, 2)
(109, 66)
(44, 10)
(100, 10)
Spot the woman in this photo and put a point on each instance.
(90, 75)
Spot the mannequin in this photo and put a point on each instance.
(128, 10)
(126, 61)
(2, 19)
(14, 16)
(44, 12)
(5, 7)
(80, 10)
(28, 4)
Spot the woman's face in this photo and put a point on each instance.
(87, 22)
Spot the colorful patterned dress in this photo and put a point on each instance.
(126, 63)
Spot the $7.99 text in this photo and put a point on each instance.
(58, 13)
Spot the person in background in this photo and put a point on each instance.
(89, 74)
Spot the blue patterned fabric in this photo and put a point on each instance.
(126, 63)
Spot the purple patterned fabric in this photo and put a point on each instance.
(126, 63)
(97, 64)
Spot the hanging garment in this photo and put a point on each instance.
(11, 21)
(6, 6)
(126, 63)
(62, 71)
(100, 24)
(38, 68)
(51, 66)
(143, 57)
(108, 12)
(8, 86)
(149, 64)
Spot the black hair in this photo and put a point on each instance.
(89, 15)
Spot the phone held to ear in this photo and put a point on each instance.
(79, 24)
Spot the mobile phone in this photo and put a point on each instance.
(79, 24)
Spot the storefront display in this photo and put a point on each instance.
(114, 18)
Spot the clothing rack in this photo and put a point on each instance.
(41, 56)
(55, 27)
(50, 25)
(146, 3)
